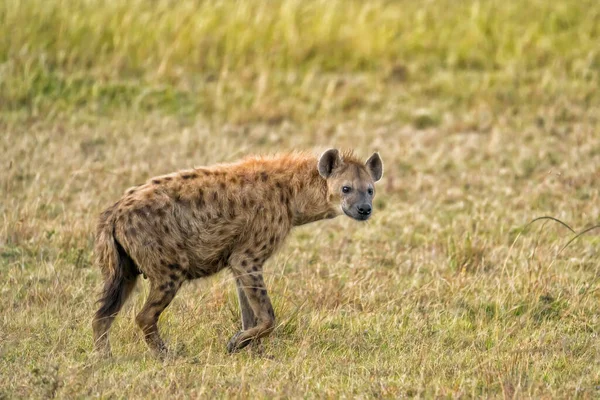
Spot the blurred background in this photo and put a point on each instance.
(293, 61)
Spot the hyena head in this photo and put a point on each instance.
(350, 183)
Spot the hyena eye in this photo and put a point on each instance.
(370, 191)
(346, 189)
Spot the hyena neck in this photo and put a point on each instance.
(309, 201)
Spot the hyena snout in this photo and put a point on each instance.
(364, 209)
(359, 212)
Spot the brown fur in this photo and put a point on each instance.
(194, 223)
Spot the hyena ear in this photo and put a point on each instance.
(375, 167)
(329, 161)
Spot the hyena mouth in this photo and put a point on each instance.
(357, 217)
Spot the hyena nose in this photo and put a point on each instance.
(364, 209)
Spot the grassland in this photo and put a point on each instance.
(486, 113)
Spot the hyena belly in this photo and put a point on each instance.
(168, 235)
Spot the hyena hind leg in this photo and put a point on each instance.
(159, 298)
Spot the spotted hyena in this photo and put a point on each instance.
(194, 223)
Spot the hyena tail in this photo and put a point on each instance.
(120, 274)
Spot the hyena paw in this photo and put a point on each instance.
(102, 349)
(161, 351)
(100, 354)
(236, 344)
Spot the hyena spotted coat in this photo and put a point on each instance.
(194, 223)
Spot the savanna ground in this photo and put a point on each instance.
(486, 114)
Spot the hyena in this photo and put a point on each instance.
(194, 223)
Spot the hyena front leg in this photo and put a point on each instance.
(253, 286)
(248, 317)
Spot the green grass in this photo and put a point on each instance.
(486, 114)
(221, 58)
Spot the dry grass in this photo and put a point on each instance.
(486, 115)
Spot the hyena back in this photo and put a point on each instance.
(194, 223)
